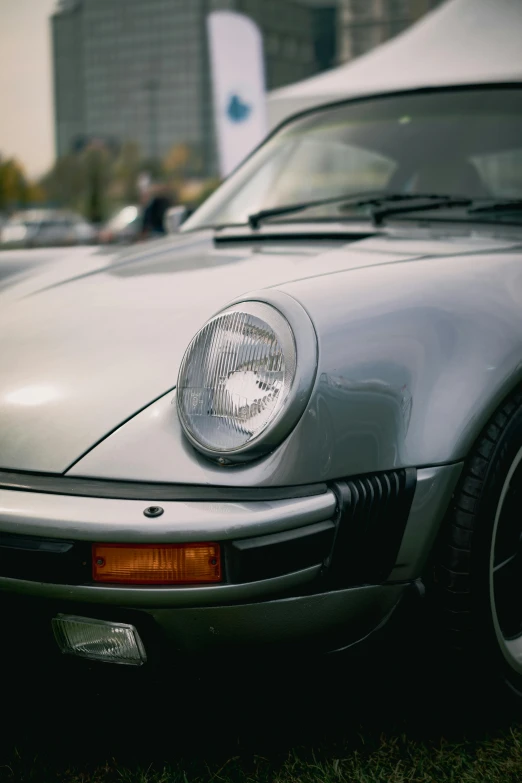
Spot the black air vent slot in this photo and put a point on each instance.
(373, 511)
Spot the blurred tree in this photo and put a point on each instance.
(65, 182)
(177, 159)
(96, 166)
(182, 167)
(153, 167)
(208, 188)
(194, 192)
(182, 161)
(80, 181)
(98, 179)
(14, 188)
(35, 193)
(126, 170)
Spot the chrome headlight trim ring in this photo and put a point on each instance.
(297, 396)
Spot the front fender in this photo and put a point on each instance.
(414, 358)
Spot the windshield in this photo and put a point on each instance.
(462, 142)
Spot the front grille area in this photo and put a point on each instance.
(373, 512)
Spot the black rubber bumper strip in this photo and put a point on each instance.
(130, 490)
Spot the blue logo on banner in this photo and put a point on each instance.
(238, 110)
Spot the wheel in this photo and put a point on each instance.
(478, 570)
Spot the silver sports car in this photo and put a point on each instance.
(277, 428)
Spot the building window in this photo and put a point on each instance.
(290, 48)
(272, 44)
(361, 8)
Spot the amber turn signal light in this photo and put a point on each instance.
(156, 564)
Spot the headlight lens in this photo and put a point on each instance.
(236, 377)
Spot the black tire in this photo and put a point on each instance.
(478, 623)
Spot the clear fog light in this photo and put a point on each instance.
(99, 640)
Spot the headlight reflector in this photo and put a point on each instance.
(236, 377)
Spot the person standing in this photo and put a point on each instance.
(153, 219)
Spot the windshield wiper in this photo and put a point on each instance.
(502, 205)
(286, 209)
(380, 199)
(438, 202)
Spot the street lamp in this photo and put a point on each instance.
(152, 87)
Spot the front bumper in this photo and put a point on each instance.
(326, 605)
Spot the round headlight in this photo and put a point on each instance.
(237, 380)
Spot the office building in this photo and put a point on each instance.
(129, 70)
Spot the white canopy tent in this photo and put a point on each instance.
(460, 42)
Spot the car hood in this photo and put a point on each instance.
(85, 345)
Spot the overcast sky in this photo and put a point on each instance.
(26, 125)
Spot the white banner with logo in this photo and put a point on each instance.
(238, 82)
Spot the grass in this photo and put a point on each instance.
(396, 761)
(394, 721)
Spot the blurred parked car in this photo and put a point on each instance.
(174, 218)
(124, 226)
(127, 225)
(46, 228)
